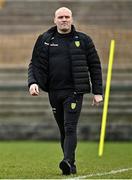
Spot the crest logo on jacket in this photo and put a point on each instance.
(73, 105)
(77, 43)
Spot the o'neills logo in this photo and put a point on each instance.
(77, 43)
(52, 44)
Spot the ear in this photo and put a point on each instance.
(72, 21)
(54, 20)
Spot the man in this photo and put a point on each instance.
(63, 63)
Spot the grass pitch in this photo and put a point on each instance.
(39, 160)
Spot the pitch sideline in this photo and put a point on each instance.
(102, 174)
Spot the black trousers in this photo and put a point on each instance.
(66, 108)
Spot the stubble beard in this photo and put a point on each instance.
(68, 29)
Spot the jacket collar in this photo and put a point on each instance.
(53, 29)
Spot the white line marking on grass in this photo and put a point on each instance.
(103, 174)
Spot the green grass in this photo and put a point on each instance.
(35, 160)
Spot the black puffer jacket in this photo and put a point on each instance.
(84, 60)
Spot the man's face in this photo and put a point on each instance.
(63, 20)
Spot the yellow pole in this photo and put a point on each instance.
(2, 2)
(106, 100)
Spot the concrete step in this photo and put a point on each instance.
(17, 76)
(93, 12)
(45, 112)
(115, 87)
(43, 100)
(22, 85)
(20, 44)
(44, 106)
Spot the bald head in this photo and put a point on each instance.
(63, 9)
(63, 20)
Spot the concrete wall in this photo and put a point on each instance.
(26, 117)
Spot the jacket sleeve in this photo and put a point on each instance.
(31, 77)
(94, 66)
